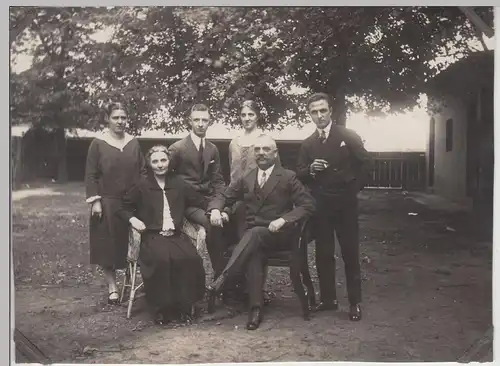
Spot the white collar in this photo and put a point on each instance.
(196, 140)
(326, 129)
(120, 145)
(268, 171)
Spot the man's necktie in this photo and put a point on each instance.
(322, 136)
(201, 160)
(200, 152)
(262, 180)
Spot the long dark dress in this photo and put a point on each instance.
(109, 173)
(172, 269)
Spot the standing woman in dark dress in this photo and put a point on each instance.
(172, 269)
(114, 163)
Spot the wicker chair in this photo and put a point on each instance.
(194, 231)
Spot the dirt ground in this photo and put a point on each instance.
(426, 287)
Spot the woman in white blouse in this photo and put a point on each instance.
(172, 270)
(241, 154)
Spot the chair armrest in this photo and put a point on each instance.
(134, 244)
(195, 232)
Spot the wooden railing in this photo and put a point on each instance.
(396, 170)
(399, 170)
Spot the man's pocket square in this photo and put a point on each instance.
(342, 144)
(211, 161)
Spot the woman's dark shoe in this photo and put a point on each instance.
(160, 319)
(113, 298)
(355, 312)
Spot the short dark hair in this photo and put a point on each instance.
(317, 97)
(199, 107)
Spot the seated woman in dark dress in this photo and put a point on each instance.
(172, 270)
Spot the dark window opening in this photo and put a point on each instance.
(449, 135)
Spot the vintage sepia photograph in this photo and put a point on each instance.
(227, 184)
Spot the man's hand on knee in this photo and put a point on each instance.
(276, 225)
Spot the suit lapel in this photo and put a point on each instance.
(207, 154)
(251, 178)
(270, 184)
(334, 138)
(193, 150)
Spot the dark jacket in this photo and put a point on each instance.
(283, 195)
(145, 201)
(184, 160)
(349, 163)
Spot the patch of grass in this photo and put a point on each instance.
(50, 239)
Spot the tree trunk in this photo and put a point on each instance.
(340, 101)
(62, 169)
(339, 108)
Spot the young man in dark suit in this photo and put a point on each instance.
(274, 199)
(333, 163)
(197, 161)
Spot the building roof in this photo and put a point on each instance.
(216, 132)
(465, 76)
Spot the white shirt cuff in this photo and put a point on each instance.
(92, 199)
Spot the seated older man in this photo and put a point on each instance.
(274, 199)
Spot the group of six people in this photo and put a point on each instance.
(154, 193)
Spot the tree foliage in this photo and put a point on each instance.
(374, 58)
(166, 58)
(384, 55)
(54, 91)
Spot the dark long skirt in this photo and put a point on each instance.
(173, 273)
(109, 237)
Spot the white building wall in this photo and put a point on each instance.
(450, 166)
